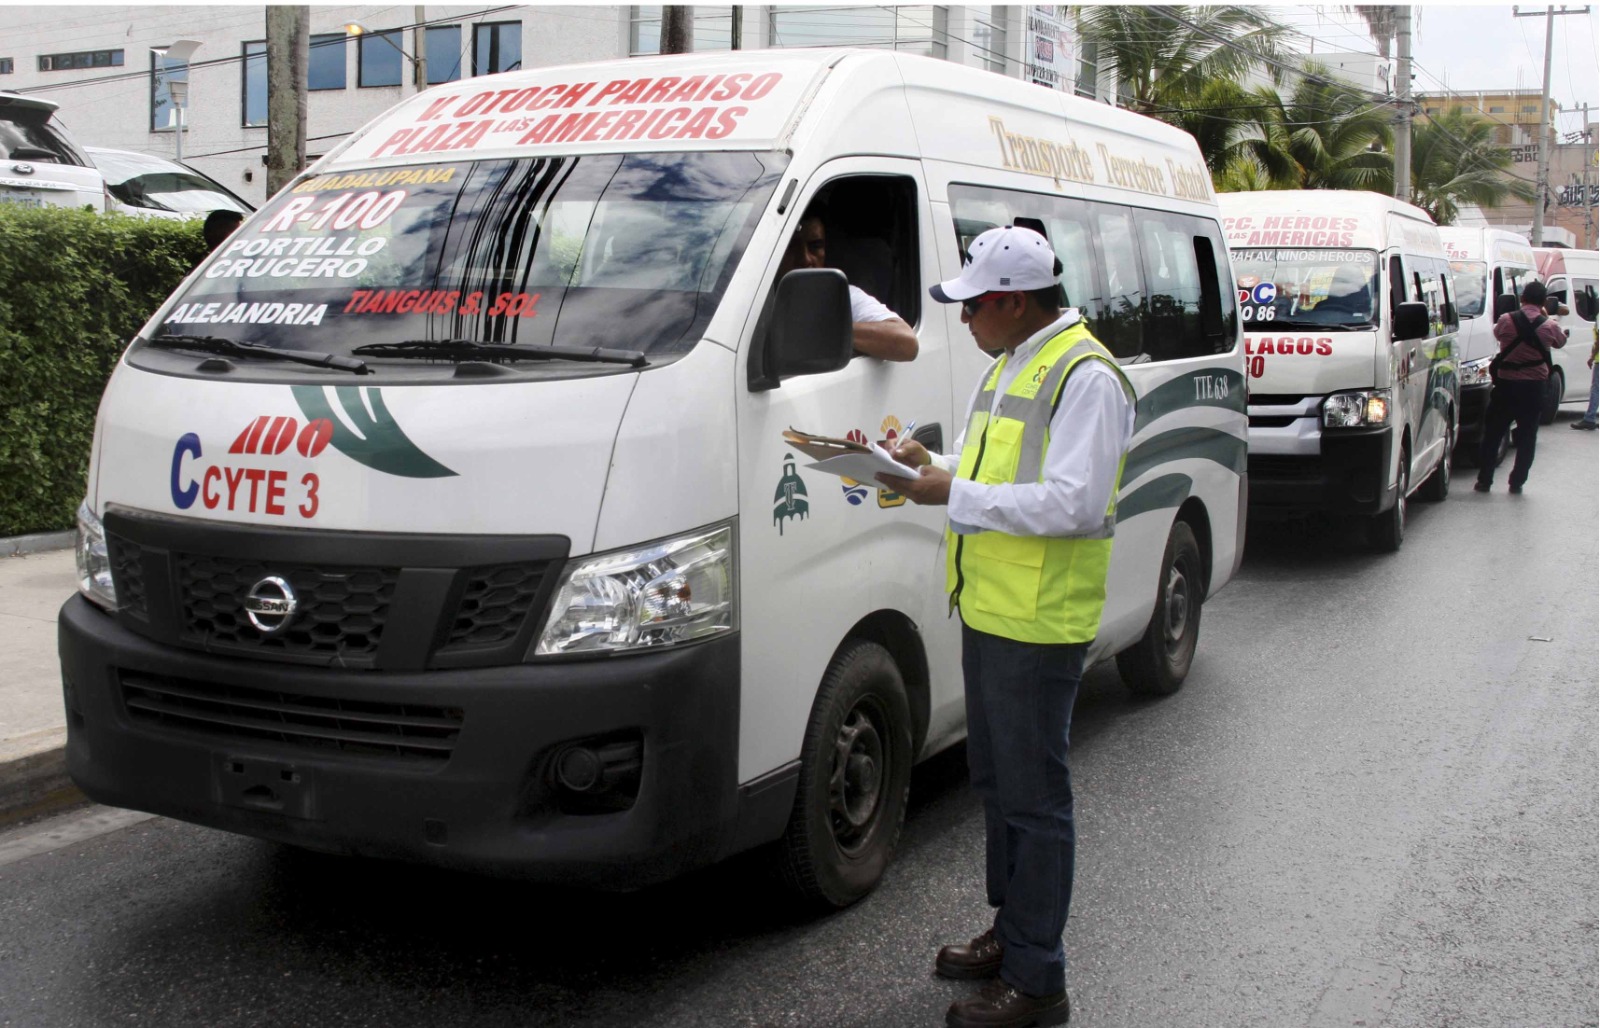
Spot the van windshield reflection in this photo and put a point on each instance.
(1328, 289)
(622, 252)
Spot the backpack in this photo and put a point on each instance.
(1527, 332)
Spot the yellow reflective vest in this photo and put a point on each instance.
(1029, 588)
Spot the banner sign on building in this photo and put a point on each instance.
(1050, 53)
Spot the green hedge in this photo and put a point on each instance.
(74, 286)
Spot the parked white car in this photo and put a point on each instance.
(40, 166)
(155, 187)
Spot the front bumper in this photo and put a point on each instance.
(1347, 474)
(1474, 408)
(492, 803)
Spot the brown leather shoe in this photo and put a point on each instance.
(979, 958)
(998, 1005)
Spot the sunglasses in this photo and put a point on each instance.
(970, 307)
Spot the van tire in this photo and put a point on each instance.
(1157, 664)
(1555, 387)
(1437, 488)
(855, 778)
(1387, 531)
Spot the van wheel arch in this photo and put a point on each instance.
(898, 634)
(1194, 512)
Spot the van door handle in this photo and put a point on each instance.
(930, 436)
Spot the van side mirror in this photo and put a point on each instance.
(1505, 303)
(808, 331)
(1410, 320)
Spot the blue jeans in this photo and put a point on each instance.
(1019, 711)
(1592, 415)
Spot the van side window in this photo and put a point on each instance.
(1172, 274)
(1585, 298)
(1452, 319)
(1397, 284)
(871, 223)
(1121, 324)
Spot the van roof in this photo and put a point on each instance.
(1561, 260)
(1333, 218)
(1485, 243)
(865, 101)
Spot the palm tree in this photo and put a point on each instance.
(1456, 160)
(1381, 24)
(1326, 135)
(1164, 57)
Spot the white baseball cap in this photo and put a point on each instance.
(1002, 260)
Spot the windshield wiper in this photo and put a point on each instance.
(232, 348)
(468, 349)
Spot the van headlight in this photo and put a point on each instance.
(1360, 408)
(1476, 372)
(667, 592)
(94, 560)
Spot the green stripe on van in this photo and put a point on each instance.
(1156, 494)
(382, 444)
(1208, 387)
(1180, 443)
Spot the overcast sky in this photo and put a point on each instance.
(1472, 48)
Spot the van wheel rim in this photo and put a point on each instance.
(856, 785)
(1177, 601)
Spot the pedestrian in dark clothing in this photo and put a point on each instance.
(1521, 374)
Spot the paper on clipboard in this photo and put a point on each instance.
(847, 458)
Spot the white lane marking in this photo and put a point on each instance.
(66, 830)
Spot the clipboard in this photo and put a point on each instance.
(846, 457)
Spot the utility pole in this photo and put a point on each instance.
(419, 46)
(677, 29)
(1536, 237)
(1402, 131)
(288, 44)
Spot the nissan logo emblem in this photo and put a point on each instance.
(270, 605)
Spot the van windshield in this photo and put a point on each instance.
(629, 252)
(1470, 281)
(1335, 290)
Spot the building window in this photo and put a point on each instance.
(1088, 70)
(496, 47)
(1431, 112)
(1497, 110)
(444, 54)
(82, 59)
(989, 37)
(163, 112)
(1530, 109)
(917, 29)
(379, 59)
(254, 96)
(712, 30)
(325, 64)
(7, 65)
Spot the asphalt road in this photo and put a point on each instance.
(1373, 804)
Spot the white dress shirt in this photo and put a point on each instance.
(864, 307)
(1088, 434)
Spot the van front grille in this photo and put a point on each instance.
(358, 728)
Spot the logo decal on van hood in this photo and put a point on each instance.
(378, 441)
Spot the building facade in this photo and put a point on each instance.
(106, 66)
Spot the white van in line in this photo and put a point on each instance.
(1485, 263)
(444, 513)
(1573, 277)
(1350, 342)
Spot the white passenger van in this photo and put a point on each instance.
(444, 512)
(1485, 263)
(1573, 277)
(1350, 343)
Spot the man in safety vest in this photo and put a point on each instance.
(1032, 498)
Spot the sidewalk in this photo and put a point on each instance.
(33, 724)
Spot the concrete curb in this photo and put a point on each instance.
(33, 775)
(37, 543)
